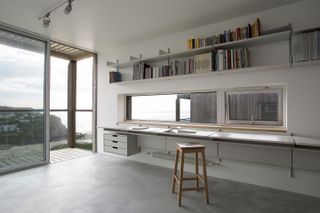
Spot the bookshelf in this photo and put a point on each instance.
(277, 36)
(206, 74)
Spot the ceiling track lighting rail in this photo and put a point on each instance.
(45, 17)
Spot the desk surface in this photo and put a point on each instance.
(252, 138)
(269, 139)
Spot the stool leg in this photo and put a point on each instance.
(206, 193)
(181, 178)
(197, 170)
(175, 171)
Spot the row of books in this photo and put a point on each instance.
(213, 61)
(307, 46)
(232, 59)
(245, 32)
(139, 70)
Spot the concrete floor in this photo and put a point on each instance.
(102, 183)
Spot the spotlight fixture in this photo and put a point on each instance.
(46, 20)
(68, 8)
(45, 17)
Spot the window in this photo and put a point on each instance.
(153, 107)
(22, 103)
(244, 106)
(254, 106)
(198, 107)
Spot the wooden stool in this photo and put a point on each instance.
(181, 150)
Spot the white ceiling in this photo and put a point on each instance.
(102, 24)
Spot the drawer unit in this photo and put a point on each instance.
(120, 143)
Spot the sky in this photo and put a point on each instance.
(21, 78)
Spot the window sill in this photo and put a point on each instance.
(229, 127)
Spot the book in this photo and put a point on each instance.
(238, 33)
(114, 76)
(220, 60)
(256, 28)
(231, 59)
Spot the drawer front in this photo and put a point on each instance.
(115, 137)
(115, 143)
(116, 150)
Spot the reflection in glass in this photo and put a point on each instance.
(21, 138)
(84, 83)
(84, 130)
(58, 130)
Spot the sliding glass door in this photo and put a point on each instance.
(23, 115)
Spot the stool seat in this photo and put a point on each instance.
(190, 145)
(182, 149)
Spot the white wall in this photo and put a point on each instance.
(303, 96)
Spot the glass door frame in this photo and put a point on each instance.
(46, 94)
(72, 105)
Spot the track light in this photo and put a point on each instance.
(46, 20)
(45, 17)
(68, 8)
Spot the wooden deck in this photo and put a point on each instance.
(16, 162)
(61, 155)
(56, 156)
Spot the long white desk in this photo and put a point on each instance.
(275, 149)
(251, 138)
(227, 136)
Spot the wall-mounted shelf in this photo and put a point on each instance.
(283, 33)
(205, 74)
(165, 57)
(264, 39)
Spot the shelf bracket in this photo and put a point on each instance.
(162, 52)
(133, 58)
(110, 63)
